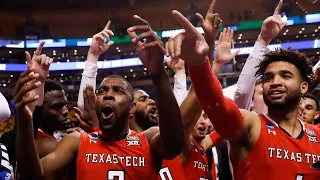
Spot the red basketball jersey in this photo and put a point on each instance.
(171, 170)
(276, 155)
(129, 158)
(196, 165)
(41, 134)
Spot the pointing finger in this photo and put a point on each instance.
(184, 22)
(278, 8)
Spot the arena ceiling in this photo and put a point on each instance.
(66, 4)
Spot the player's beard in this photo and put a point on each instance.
(143, 121)
(290, 101)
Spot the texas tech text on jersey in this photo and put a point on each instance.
(129, 161)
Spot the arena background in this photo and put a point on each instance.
(68, 25)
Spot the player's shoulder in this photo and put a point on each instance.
(249, 115)
(70, 142)
(307, 125)
(311, 129)
(317, 125)
(41, 134)
(151, 132)
(72, 139)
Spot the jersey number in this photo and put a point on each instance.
(299, 177)
(164, 173)
(119, 175)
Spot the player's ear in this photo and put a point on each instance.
(316, 116)
(304, 87)
(251, 106)
(133, 108)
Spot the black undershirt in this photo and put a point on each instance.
(299, 136)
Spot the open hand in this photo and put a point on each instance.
(148, 45)
(88, 118)
(224, 54)
(22, 98)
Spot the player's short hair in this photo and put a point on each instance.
(51, 85)
(259, 81)
(311, 96)
(300, 60)
(129, 87)
(136, 89)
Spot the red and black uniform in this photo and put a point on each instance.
(129, 158)
(41, 134)
(276, 155)
(171, 169)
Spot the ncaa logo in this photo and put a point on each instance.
(94, 136)
(310, 132)
(270, 126)
(271, 129)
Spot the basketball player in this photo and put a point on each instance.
(53, 117)
(142, 119)
(39, 63)
(249, 92)
(145, 115)
(309, 106)
(192, 162)
(197, 123)
(257, 105)
(260, 144)
(115, 152)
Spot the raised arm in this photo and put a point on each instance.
(245, 86)
(89, 75)
(28, 160)
(25, 147)
(191, 108)
(192, 48)
(241, 128)
(168, 139)
(40, 64)
(223, 54)
(180, 79)
(211, 25)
